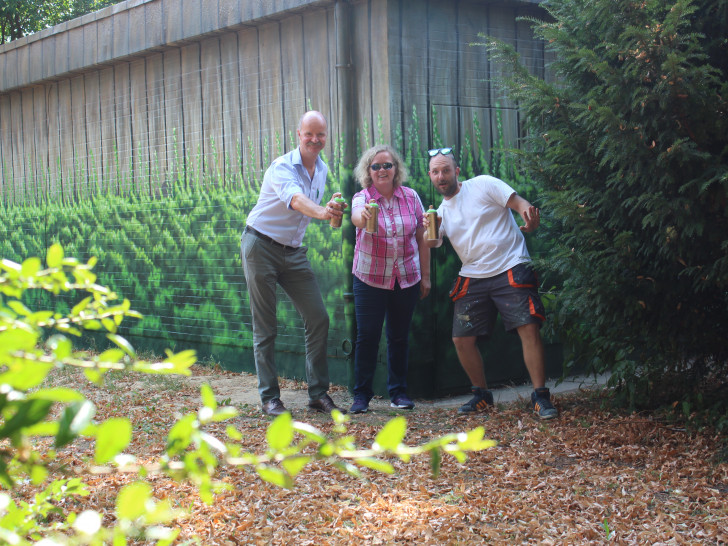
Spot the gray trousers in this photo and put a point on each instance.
(266, 264)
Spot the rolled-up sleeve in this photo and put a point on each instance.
(285, 181)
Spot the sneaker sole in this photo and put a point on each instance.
(395, 406)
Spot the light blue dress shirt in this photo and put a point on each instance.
(272, 215)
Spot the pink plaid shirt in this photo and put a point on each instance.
(391, 254)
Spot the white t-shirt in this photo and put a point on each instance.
(482, 229)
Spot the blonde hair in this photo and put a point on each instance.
(364, 177)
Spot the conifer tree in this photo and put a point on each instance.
(629, 141)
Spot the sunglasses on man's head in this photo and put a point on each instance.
(443, 151)
(385, 166)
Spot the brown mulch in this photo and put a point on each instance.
(590, 476)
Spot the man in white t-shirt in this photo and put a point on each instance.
(496, 274)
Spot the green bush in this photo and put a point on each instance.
(630, 140)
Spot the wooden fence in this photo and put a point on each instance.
(138, 91)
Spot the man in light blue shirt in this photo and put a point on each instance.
(271, 251)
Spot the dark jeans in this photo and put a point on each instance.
(372, 306)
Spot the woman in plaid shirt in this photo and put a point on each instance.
(391, 272)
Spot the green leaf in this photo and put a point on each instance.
(180, 435)
(60, 345)
(208, 396)
(294, 465)
(131, 502)
(280, 432)
(310, 432)
(57, 394)
(26, 376)
(435, 461)
(31, 267)
(19, 308)
(28, 413)
(54, 258)
(73, 420)
(80, 306)
(122, 343)
(16, 340)
(375, 464)
(112, 437)
(273, 475)
(223, 414)
(391, 435)
(111, 356)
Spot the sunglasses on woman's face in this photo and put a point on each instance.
(385, 166)
(443, 151)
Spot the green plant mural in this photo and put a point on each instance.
(170, 241)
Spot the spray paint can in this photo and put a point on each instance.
(336, 220)
(432, 231)
(373, 221)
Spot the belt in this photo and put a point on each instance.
(264, 237)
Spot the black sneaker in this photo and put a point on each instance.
(402, 401)
(360, 405)
(541, 403)
(482, 399)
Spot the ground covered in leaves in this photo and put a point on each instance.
(590, 476)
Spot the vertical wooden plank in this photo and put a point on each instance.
(121, 34)
(18, 144)
(109, 147)
(7, 171)
(105, 39)
(444, 47)
(382, 27)
(212, 131)
(294, 49)
(474, 85)
(530, 49)
(473, 80)
(476, 128)
(250, 77)
(122, 107)
(55, 177)
(65, 131)
(137, 30)
(80, 150)
(362, 75)
(230, 13)
(271, 90)
(174, 129)
(60, 62)
(412, 95)
(192, 105)
(93, 131)
(139, 126)
(191, 18)
(502, 25)
(504, 121)
(90, 44)
(231, 114)
(156, 121)
(210, 16)
(40, 125)
(318, 72)
(28, 135)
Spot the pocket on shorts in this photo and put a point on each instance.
(522, 276)
(459, 288)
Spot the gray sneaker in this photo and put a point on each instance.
(482, 400)
(541, 403)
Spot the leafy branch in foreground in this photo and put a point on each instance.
(33, 343)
